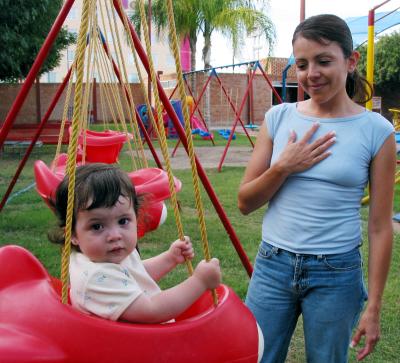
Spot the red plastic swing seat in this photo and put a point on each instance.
(150, 183)
(103, 146)
(36, 327)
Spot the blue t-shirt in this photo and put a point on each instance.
(317, 211)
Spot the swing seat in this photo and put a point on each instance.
(150, 183)
(102, 146)
(36, 327)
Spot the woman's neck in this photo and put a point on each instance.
(345, 108)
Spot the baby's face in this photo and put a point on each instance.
(107, 234)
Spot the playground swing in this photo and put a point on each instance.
(105, 146)
(32, 330)
(229, 134)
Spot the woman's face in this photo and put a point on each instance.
(322, 69)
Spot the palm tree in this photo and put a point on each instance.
(233, 18)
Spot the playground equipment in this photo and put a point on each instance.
(32, 328)
(102, 146)
(39, 328)
(253, 68)
(150, 183)
(396, 118)
(198, 127)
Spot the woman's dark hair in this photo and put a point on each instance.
(97, 185)
(327, 28)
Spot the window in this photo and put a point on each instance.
(52, 77)
(133, 78)
(70, 55)
(168, 83)
(73, 14)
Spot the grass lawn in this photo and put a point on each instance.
(25, 221)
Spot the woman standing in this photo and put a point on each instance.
(311, 164)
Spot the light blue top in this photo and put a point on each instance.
(317, 211)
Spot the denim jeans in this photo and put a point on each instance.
(328, 290)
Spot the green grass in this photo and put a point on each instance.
(25, 221)
(240, 140)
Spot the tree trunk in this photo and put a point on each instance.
(207, 46)
(192, 42)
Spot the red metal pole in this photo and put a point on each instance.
(20, 99)
(173, 91)
(238, 113)
(196, 107)
(194, 110)
(196, 104)
(269, 82)
(234, 108)
(181, 132)
(35, 138)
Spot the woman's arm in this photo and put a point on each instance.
(261, 180)
(168, 304)
(380, 235)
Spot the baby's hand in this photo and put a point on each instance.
(181, 250)
(209, 273)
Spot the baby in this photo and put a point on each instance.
(107, 276)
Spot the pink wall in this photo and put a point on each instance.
(185, 55)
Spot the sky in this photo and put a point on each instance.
(285, 14)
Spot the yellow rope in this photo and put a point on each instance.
(127, 96)
(141, 80)
(163, 139)
(65, 113)
(116, 92)
(104, 76)
(188, 131)
(85, 118)
(72, 148)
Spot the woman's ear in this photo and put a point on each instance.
(353, 60)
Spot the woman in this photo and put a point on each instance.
(311, 163)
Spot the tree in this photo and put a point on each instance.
(387, 62)
(234, 18)
(24, 25)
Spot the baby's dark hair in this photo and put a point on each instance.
(326, 28)
(97, 185)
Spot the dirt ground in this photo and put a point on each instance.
(209, 156)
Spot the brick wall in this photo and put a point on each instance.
(27, 113)
(221, 113)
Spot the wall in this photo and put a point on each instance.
(27, 113)
(234, 87)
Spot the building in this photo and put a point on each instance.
(162, 57)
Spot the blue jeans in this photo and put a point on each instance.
(328, 290)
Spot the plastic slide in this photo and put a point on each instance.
(198, 128)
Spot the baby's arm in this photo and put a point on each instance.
(159, 266)
(168, 304)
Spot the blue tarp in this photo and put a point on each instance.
(359, 25)
(359, 30)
